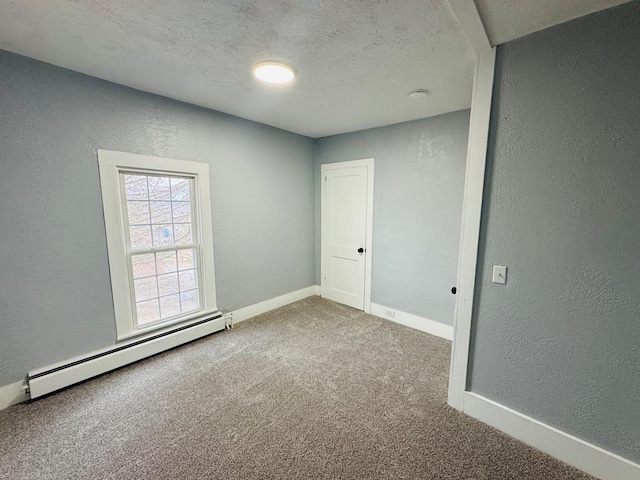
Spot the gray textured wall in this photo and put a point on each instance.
(55, 295)
(561, 341)
(419, 179)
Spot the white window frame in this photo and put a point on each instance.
(111, 165)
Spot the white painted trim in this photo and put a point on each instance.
(110, 164)
(578, 453)
(13, 394)
(76, 373)
(470, 228)
(414, 321)
(251, 311)
(130, 341)
(370, 164)
(572, 450)
(467, 14)
(153, 330)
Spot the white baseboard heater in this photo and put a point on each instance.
(64, 374)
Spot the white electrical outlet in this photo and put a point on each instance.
(390, 313)
(499, 274)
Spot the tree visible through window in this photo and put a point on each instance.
(159, 240)
(162, 252)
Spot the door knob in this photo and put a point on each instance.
(454, 290)
(360, 250)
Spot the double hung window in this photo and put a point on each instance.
(159, 240)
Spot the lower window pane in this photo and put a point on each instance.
(143, 265)
(186, 259)
(188, 280)
(189, 301)
(166, 262)
(148, 311)
(165, 285)
(169, 306)
(168, 284)
(145, 288)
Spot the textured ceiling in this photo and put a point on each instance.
(356, 60)
(506, 20)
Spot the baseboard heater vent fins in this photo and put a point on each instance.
(55, 377)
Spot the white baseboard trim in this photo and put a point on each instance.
(567, 448)
(43, 381)
(66, 376)
(13, 394)
(409, 320)
(251, 311)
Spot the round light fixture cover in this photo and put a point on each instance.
(273, 72)
(418, 94)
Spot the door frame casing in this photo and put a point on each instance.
(470, 228)
(324, 168)
(485, 56)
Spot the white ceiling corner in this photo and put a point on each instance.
(507, 20)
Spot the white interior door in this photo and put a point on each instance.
(347, 203)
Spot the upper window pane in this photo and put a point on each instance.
(181, 212)
(183, 234)
(136, 187)
(140, 237)
(180, 189)
(159, 211)
(160, 188)
(138, 212)
(163, 236)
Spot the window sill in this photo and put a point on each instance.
(164, 327)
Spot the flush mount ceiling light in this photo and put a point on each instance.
(418, 94)
(273, 72)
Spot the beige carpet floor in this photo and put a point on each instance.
(311, 390)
